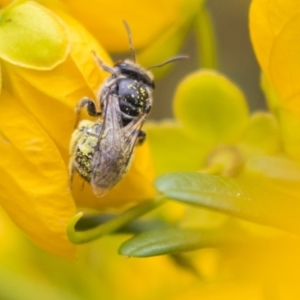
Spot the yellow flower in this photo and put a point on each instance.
(154, 24)
(274, 28)
(47, 67)
(146, 18)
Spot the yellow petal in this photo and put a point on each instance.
(3, 3)
(34, 183)
(145, 18)
(166, 136)
(51, 96)
(290, 124)
(274, 28)
(262, 135)
(204, 96)
(32, 36)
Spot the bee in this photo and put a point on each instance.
(102, 150)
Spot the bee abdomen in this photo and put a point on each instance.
(85, 150)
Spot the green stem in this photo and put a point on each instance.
(206, 40)
(80, 237)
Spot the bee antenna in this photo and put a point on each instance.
(130, 40)
(103, 65)
(178, 57)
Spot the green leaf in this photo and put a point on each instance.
(89, 221)
(168, 241)
(263, 201)
(32, 36)
(78, 235)
(211, 109)
(177, 240)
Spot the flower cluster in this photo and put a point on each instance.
(227, 179)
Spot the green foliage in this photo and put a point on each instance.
(167, 241)
(267, 202)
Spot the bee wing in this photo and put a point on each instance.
(131, 132)
(114, 148)
(107, 147)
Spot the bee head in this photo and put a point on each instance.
(132, 70)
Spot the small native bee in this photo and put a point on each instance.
(102, 150)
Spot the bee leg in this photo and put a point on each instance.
(90, 107)
(72, 170)
(141, 137)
